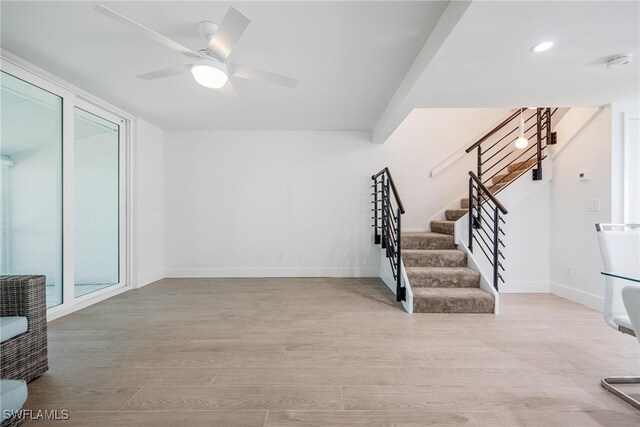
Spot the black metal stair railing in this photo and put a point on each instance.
(485, 219)
(496, 151)
(387, 225)
(499, 163)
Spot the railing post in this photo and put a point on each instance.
(537, 173)
(470, 214)
(496, 248)
(376, 238)
(478, 210)
(385, 218)
(548, 137)
(400, 291)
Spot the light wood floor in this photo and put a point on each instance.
(328, 352)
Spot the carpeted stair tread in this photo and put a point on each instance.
(443, 227)
(464, 203)
(443, 277)
(452, 300)
(434, 258)
(521, 165)
(505, 178)
(427, 240)
(455, 214)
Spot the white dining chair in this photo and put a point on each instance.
(620, 250)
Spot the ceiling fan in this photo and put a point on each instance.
(209, 67)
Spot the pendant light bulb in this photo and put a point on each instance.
(521, 142)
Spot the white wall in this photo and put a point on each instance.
(425, 139)
(298, 203)
(148, 207)
(268, 204)
(573, 244)
(527, 239)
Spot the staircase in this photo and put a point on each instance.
(440, 279)
(438, 272)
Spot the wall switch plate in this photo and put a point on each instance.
(593, 205)
(584, 175)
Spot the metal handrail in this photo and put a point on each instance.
(393, 187)
(494, 130)
(489, 194)
(390, 236)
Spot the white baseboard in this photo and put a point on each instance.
(270, 272)
(145, 279)
(516, 287)
(590, 300)
(60, 311)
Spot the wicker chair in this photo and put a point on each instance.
(24, 357)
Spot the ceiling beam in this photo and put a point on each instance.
(402, 102)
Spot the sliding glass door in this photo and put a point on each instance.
(97, 210)
(63, 189)
(31, 183)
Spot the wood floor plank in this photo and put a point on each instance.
(473, 399)
(128, 377)
(78, 398)
(314, 375)
(381, 419)
(207, 359)
(160, 419)
(236, 398)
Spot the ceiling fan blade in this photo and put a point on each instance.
(145, 31)
(228, 33)
(261, 76)
(171, 71)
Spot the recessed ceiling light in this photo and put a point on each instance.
(542, 46)
(619, 61)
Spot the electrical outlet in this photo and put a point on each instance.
(568, 271)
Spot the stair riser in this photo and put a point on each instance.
(431, 259)
(452, 305)
(428, 243)
(444, 281)
(443, 228)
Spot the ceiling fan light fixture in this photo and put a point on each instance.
(542, 46)
(209, 73)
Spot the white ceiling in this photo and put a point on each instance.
(349, 57)
(493, 66)
(485, 61)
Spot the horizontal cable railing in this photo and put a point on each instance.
(387, 213)
(485, 219)
(500, 161)
(505, 153)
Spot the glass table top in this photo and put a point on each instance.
(621, 276)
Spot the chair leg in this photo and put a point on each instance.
(607, 384)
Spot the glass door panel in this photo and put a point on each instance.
(31, 183)
(97, 210)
